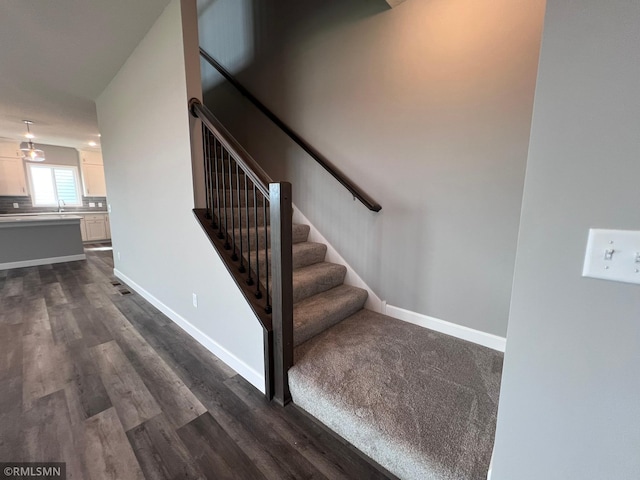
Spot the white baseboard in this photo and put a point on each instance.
(351, 278)
(490, 467)
(255, 378)
(42, 261)
(465, 333)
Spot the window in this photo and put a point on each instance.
(51, 184)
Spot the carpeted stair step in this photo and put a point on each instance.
(308, 253)
(320, 277)
(304, 254)
(240, 213)
(225, 196)
(300, 233)
(315, 314)
(420, 403)
(237, 180)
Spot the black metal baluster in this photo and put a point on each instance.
(225, 235)
(267, 308)
(255, 225)
(234, 255)
(215, 156)
(246, 208)
(207, 173)
(241, 268)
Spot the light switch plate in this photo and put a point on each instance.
(613, 255)
(92, 205)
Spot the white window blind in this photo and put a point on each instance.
(53, 183)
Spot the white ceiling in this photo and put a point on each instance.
(57, 56)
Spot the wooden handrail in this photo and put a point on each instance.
(254, 171)
(354, 189)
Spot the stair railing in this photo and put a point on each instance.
(248, 218)
(355, 190)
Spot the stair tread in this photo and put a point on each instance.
(315, 314)
(316, 278)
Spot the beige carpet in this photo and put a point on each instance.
(420, 403)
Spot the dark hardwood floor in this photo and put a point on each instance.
(104, 382)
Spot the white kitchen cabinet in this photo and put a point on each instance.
(12, 178)
(83, 228)
(107, 225)
(89, 157)
(93, 174)
(95, 227)
(10, 150)
(93, 181)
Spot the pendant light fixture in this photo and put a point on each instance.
(32, 154)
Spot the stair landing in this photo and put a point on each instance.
(420, 403)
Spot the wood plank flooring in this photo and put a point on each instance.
(107, 384)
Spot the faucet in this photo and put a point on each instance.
(60, 205)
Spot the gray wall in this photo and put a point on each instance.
(157, 242)
(427, 106)
(570, 400)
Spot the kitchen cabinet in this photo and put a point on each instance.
(107, 226)
(95, 227)
(83, 229)
(93, 174)
(10, 150)
(94, 184)
(12, 178)
(89, 157)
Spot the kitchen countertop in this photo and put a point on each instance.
(42, 219)
(59, 214)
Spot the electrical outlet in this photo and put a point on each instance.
(195, 300)
(109, 208)
(100, 204)
(92, 205)
(118, 255)
(15, 205)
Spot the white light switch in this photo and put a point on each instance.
(613, 255)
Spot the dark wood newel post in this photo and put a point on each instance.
(282, 289)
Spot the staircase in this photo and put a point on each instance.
(421, 404)
(320, 297)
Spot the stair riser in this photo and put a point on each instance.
(241, 216)
(319, 313)
(302, 257)
(249, 241)
(226, 195)
(299, 232)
